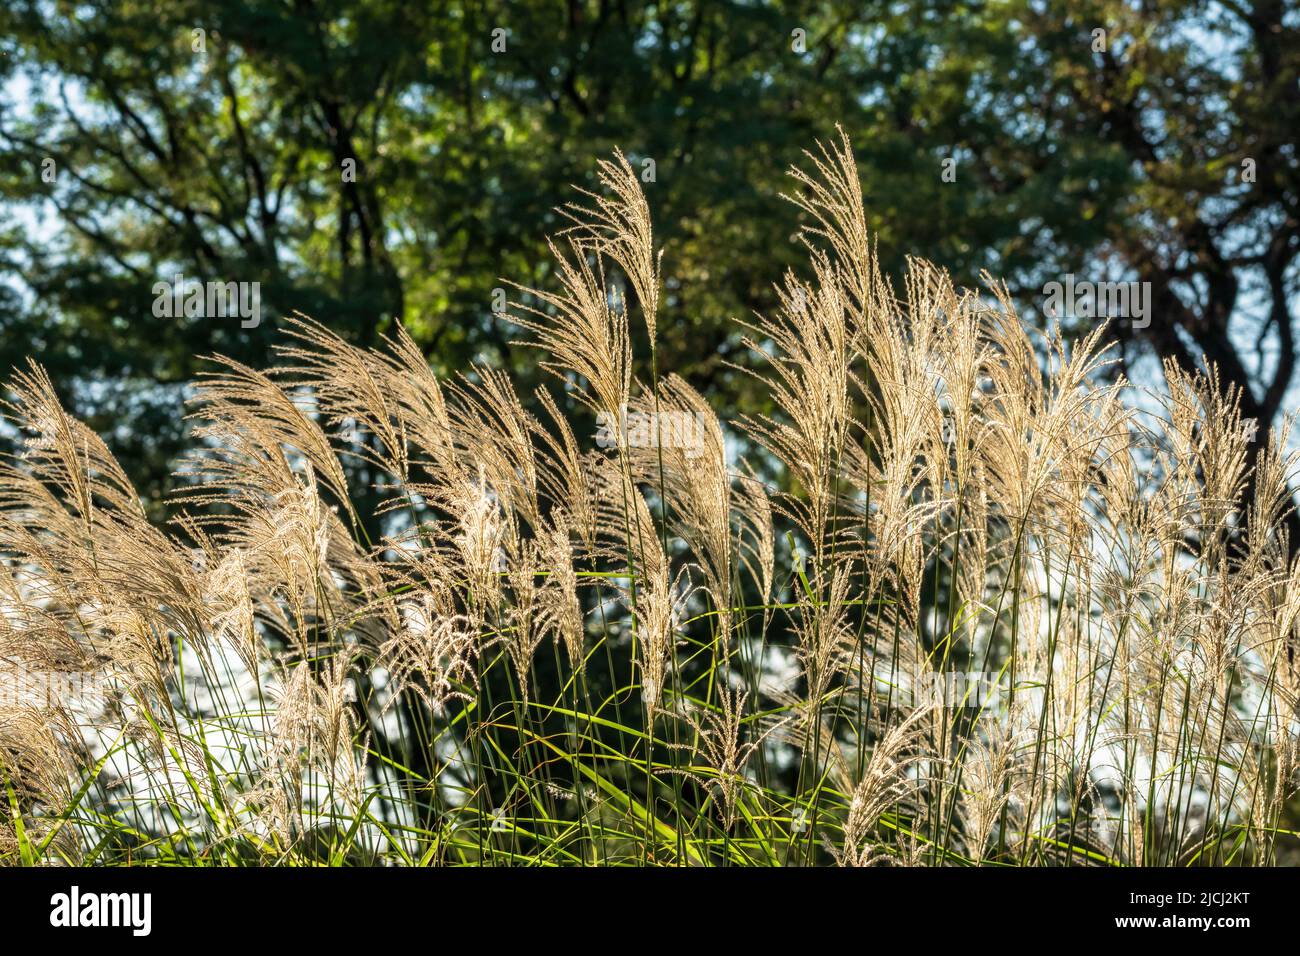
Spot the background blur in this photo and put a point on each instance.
(379, 161)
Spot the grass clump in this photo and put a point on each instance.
(954, 601)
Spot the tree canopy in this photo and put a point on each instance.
(377, 161)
